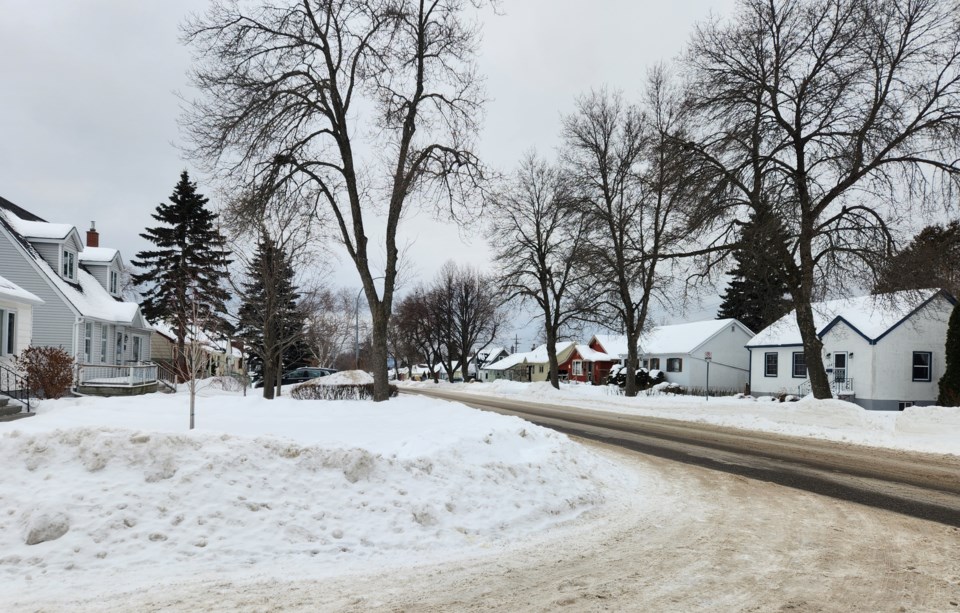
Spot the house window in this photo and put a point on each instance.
(541, 369)
(118, 356)
(137, 345)
(69, 265)
(8, 329)
(654, 363)
(905, 404)
(87, 343)
(103, 343)
(114, 281)
(799, 365)
(922, 361)
(645, 364)
(674, 365)
(770, 364)
(577, 367)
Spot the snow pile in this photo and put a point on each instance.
(314, 491)
(345, 377)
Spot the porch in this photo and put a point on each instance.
(117, 380)
(842, 387)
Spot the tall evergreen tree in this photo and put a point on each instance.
(188, 264)
(758, 294)
(931, 260)
(271, 319)
(950, 381)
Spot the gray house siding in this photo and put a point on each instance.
(53, 321)
(100, 273)
(50, 253)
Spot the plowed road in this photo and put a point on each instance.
(922, 485)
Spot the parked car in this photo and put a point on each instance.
(300, 375)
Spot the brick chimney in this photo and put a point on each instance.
(93, 237)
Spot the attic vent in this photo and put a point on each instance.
(733, 328)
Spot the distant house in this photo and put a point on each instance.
(16, 320)
(223, 357)
(529, 366)
(883, 352)
(590, 363)
(681, 352)
(82, 309)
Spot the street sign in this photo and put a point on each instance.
(708, 355)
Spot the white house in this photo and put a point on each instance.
(883, 352)
(531, 365)
(16, 320)
(682, 352)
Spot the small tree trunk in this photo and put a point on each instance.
(269, 378)
(279, 374)
(632, 359)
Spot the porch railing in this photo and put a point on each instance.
(14, 385)
(108, 375)
(844, 384)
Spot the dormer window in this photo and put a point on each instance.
(114, 282)
(69, 265)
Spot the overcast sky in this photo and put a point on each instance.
(88, 129)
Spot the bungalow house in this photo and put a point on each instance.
(588, 363)
(530, 366)
(682, 352)
(883, 352)
(82, 309)
(16, 320)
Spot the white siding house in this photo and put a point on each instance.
(883, 352)
(16, 320)
(680, 351)
(81, 309)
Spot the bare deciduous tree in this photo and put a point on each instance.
(839, 115)
(330, 323)
(638, 186)
(294, 91)
(536, 232)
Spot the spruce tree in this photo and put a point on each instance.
(188, 265)
(930, 260)
(758, 294)
(950, 381)
(270, 319)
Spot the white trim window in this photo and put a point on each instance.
(8, 332)
(799, 365)
(577, 367)
(87, 343)
(674, 364)
(103, 344)
(137, 348)
(114, 282)
(69, 265)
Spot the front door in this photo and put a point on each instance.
(840, 366)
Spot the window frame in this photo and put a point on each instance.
(776, 363)
(577, 368)
(88, 342)
(69, 268)
(904, 404)
(114, 281)
(928, 366)
(7, 340)
(654, 364)
(677, 361)
(793, 365)
(103, 343)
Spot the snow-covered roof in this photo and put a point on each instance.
(537, 356)
(682, 338)
(86, 294)
(613, 344)
(38, 229)
(15, 293)
(206, 338)
(484, 353)
(591, 355)
(98, 255)
(871, 316)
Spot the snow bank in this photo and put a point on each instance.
(116, 487)
(345, 377)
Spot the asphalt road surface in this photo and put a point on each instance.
(922, 485)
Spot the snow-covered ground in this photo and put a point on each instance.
(928, 429)
(119, 493)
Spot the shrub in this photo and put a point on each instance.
(950, 381)
(312, 390)
(49, 370)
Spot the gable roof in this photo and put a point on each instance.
(685, 337)
(537, 356)
(592, 355)
(872, 317)
(15, 293)
(613, 344)
(98, 255)
(86, 295)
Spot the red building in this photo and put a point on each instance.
(589, 364)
